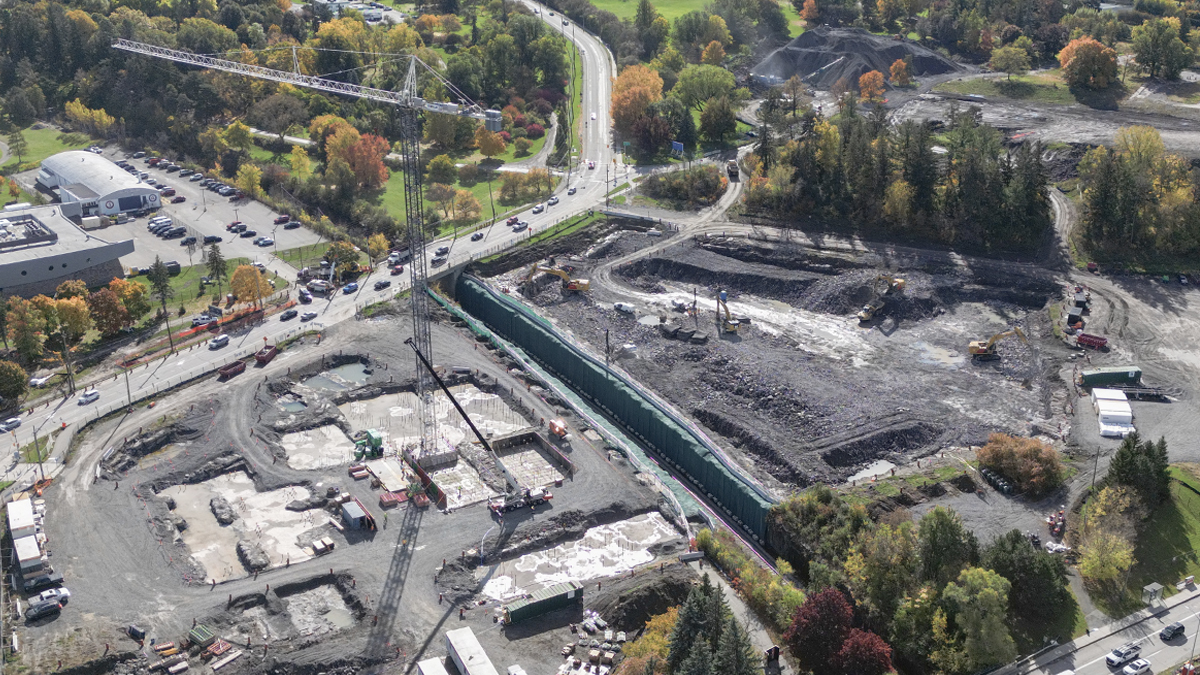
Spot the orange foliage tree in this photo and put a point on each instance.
(633, 90)
(900, 75)
(810, 12)
(365, 158)
(870, 85)
(1033, 466)
(1088, 63)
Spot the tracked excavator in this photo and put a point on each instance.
(894, 285)
(985, 350)
(569, 283)
(728, 323)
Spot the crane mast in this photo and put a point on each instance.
(410, 151)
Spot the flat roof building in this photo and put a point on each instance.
(20, 519)
(467, 653)
(27, 555)
(40, 248)
(90, 185)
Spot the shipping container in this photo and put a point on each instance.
(1116, 375)
(467, 653)
(544, 600)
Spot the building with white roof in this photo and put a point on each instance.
(40, 248)
(20, 519)
(90, 185)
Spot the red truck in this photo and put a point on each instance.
(264, 355)
(231, 369)
(1094, 341)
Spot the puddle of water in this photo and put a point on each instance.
(938, 355)
(322, 382)
(293, 406)
(604, 550)
(354, 373)
(649, 320)
(877, 468)
(340, 617)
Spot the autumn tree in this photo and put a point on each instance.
(301, 164)
(365, 158)
(249, 179)
(863, 653)
(633, 91)
(1033, 466)
(810, 12)
(1011, 60)
(713, 54)
(25, 324)
(72, 288)
(377, 245)
(133, 297)
(467, 208)
(1158, 49)
(13, 382)
(901, 77)
(108, 312)
(1088, 63)
(1105, 556)
(490, 143)
(870, 86)
(882, 566)
(442, 194)
(250, 285)
(342, 256)
(700, 84)
(67, 321)
(818, 629)
(441, 169)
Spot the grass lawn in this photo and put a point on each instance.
(795, 23)
(46, 142)
(188, 292)
(1043, 88)
(392, 199)
(30, 451)
(261, 154)
(304, 256)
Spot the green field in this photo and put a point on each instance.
(673, 9)
(44, 143)
(1041, 88)
(306, 256)
(188, 292)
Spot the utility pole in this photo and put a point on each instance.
(607, 350)
(128, 393)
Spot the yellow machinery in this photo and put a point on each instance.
(571, 284)
(868, 311)
(985, 350)
(895, 285)
(728, 323)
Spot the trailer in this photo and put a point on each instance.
(467, 654)
(1129, 376)
(1092, 341)
(264, 355)
(229, 370)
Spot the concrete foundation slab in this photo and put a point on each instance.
(318, 448)
(462, 485)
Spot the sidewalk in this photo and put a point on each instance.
(1031, 664)
(759, 636)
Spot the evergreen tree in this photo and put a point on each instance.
(689, 629)
(735, 655)
(716, 610)
(1143, 466)
(698, 662)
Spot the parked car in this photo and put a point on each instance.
(200, 320)
(289, 315)
(89, 397)
(44, 581)
(186, 172)
(187, 241)
(308, 316)
(233, 225)
(1122, 655)
(41, 610)
(10, 424)
(382, 284)
(246, 234)
(292, 225)
(196, 177)
(623, 307)
(477, 236)
(266, 241)
(1169, 632)
(350, 288)
(139, 154)
(212, 239)
(282, 219)
(178, 199)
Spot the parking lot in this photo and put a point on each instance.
(207, 213)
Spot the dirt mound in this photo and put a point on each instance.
(629, 602)
(823, 56)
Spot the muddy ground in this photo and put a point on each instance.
(370, 606)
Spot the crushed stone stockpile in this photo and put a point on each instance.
(847, 53)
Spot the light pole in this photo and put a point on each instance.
(37, 449)
(128, 393)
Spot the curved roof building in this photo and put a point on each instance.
(90, 185)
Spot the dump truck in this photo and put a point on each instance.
(731, 168)
(264, 355)
(519, 500)
(870, 309)
(229, 370)
(1093, 341)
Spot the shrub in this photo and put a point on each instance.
(468, 174)
(506, 136)
(521, 146)
(1031, 465)
(535, 131)
(697, 187)
(770, 594)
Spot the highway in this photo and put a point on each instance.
(598, 69)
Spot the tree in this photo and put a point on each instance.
(1088, 63)
(698, 662)
(202, 36)
(25, 325)
(946, 546)
(980, 601)
(217, 266)
(377, 245)
(870, 86)
(882, 566)
(689, 630)
(108, 313)
(238, 136)
(250, 285)
(654, 641)
(342, 256)
(301, 165)
(1143, 466)
(17, 145)
(735, 654)
(717, 121)
(1106, 556)
(863, 653)
(442, 194)
(699, 84)
(897, 202)
(635, 89)
(1158, 49)
(810, 12)
(1039, 580)
(67, 321)
(1011, 60)
(72, 288)
(1033, 466)
(13, 382)
(490, 143)
(521, 147)
(467, 208)
(132, 296)
(901, 77)
(160, 289)
(249, 179)
(365, 158)
(441, 170)
(818, 629)
(278, 112)
(713, 54)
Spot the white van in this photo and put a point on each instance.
(219, 341)
(623, 307)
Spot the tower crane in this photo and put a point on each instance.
(409, 104)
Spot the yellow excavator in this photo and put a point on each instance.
(984, 350)
(894, 285)
(728, 323)
(568, 282)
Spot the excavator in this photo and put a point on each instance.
(568, 282)
(894, 285)
(982, 350)
(728, 323)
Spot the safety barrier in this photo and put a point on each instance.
(649, 419)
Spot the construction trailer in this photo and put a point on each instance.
(1108, 394)
(21, 522)
(1114, 412)
(1127, 376)
(431, 667)
(353, 515)
(467, 654)
(544, 601)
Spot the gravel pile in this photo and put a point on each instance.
(847, 53)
